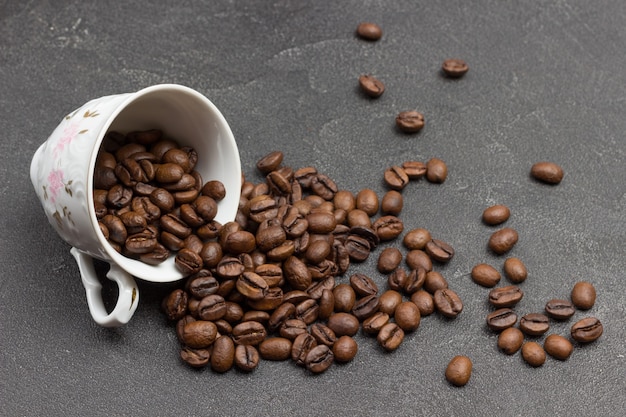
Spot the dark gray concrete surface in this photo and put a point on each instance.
(547, 82)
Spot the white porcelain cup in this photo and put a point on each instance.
(62, 173)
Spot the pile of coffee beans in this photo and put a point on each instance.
(535, 324)
(150, 201)
(269, 280)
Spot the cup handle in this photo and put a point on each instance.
(128, 297)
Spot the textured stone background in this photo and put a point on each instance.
(547, 82)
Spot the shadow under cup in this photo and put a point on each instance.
(192, 120)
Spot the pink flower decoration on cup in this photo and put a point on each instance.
(55, 182)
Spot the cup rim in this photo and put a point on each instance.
(153, 273)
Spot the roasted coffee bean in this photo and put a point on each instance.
(119, 196)
(211, 254)
(367, 233)
(485, 275)
(434, 281)
(396, 178)
(398, 279)
(559, 309)
(202, 284)
(558, 347)
(317, 251)
(115, 226)
(256, 315)
(252, 286)
(414, 169)
(448, 303)
(497, 214)
(321, 223)
(371, 86)
(240, 241)
(301, 347)
(212, 307)
(145, 137)
(436, 171)
(459, 370)
(323, 334)
(180, 325)
(270, 162)
(390, 337)
(505, 296)
(199, 334)
(424, 301)
(278, 183)
(388, 301)
(416, 239)
(304, 176)
(388, 227)
(345, 200)
(249, 333)
(375, 322)
(133, 222)
(271, 273)
(175, 305)
(169, 173)
(365, 307)
(416, 280)
(363, 285)
(171, 241)
(369, 31)
(105, 160)
(234, 312)
(503, 240)
(319, 359)
(283, 313)
(158, 255)
(533, 354)
(345, 349)
(326, 303)
(358, 217)
(292, 328)
(367, 200)
(246, 358)
(324, 187)
(104, 178)
(388, 260)
(439, 250)
(345, 297)
(307, 311)
(296, 297)
(162, 199)
(392, 203)
(160, 147)
(206, 207)
(174, 225)
(534, 324)
(417, 258)
(127, 150)
(296, 273)
(222, 354)
(197, 358)
(510, 340)
(343, 324)
(515, 270)
(586, 330)
(140, 243)
(410, 121)
(547, 172)
(143, 189)
(275, 349)
(407, 316)
(214, 189)
(583, 295)
(501, 319)
(358, 248)
(188, 262)
(270, 237)
(454, 68)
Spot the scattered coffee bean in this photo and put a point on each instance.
(547, 172)
(503, 240)
(345, 349)
(583, 295)
(558, 347)
(436, 171)
(439, 250)
(506, 296)
(392, 202)
(424, 302)
(485, 275)
(388, 260)
(275, 349)
(448, 303)
(559, 309)
(246, 358)
(534, 324)
(407, 316)
(459, 370)
(371, 86)
(515, 270)
(369, 31)
(416, 239)
(586, 330)
(510, 340)
(454, 68)
(495, 215)
(319, 359)
(390, 336)
(222, 354)
(343, 324)
(410, 121)
(533, 354)
(501, 319)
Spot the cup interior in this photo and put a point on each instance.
(191, 119)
